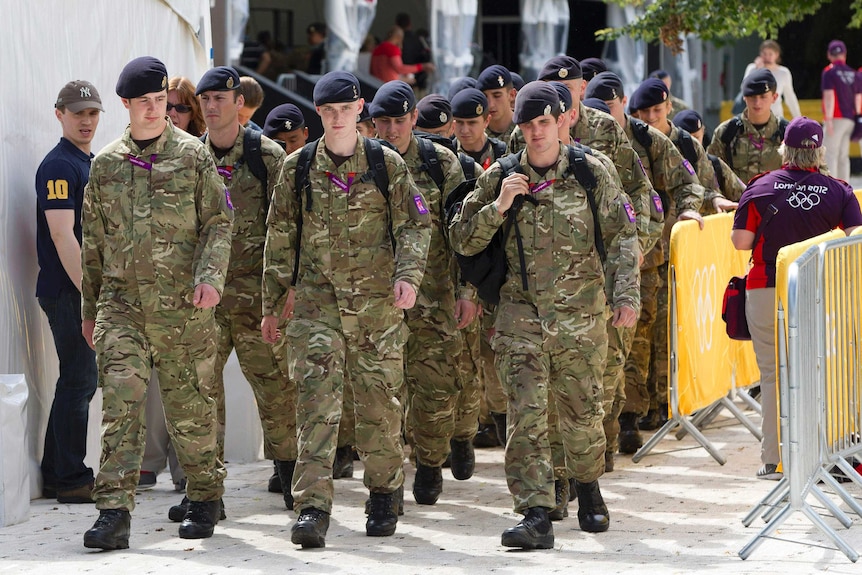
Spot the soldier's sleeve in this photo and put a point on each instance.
(516, 141)
(716, 146)
(477, 221)
(215, 221)
(705, 171)
(681, 183)
(411, 222)
(733, 185)
(92, 244)
(635, 183)
(279, 252)
(619, 233)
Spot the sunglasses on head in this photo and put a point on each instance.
(181, 108)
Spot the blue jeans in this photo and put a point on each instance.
(66, 438)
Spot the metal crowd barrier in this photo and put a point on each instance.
(820, 386)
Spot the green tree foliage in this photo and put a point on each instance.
(716, 20)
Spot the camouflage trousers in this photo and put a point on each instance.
(275, 395)
(470, 387)
(657, 382)
(181, 346)
(493, 395)
(638, 362)
(614, 382)
(433, 383)
(322, 359)
(540, 379)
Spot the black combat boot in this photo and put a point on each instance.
(593, 515)
(630, 435)
(178, 512)
(654, 419)
(382, 514)
(285, 474)
(533, 532)
(462, 459)
(342, 467)
(500, 425)
(428, 484)
(111, 530)
(310, 528)
(609, 461)
(274, 485)
(200, 519)
(561, 498)
(486, 436)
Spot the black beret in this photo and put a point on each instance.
(561, 68)
(688, 120)
(597, 104)
(469, 103)
(605, 86)
(459, 84)
(493, 78)
(652, 91)
(364, 115)
(336, 87)
(219, 79)
(660, 74)
(760, 81)
(393, 99)
(283, 118)
(141, 76)
(592, 66)
(535, 99)
(564, 94)
(517, 81)
(434, 111)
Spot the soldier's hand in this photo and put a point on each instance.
(87, 327)
(722, 204)
(465, 312)
(624, 317)
(405, 295)
(513, 185)
(269, 329)
(691, 215)
(206, 296)
(287, 312)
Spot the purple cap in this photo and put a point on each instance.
(803, 132)
(837, 47)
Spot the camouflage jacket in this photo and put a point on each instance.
(729, 183)
(502, 136)
(703, 168)
(565, 276)
(752, 151)
(346, 262)
(250, 202)
(155, 225)
(677, 106)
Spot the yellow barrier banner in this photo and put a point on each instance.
(707, 360)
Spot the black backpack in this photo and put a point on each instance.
(487, 269)
(719, 175)
(253, 156)
(685, 143)
(733, 128)
(430, 161)
(376, 172)
(640, 131)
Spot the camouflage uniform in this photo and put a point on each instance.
(729, 184)
(155, 225)
(435, 343)
(345, 323)
(503, 136)
(238, 315)
(675, 177)
(677, 106)
(752, 151)
(550, 340)
(484, 161)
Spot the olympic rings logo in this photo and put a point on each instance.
(801, 200)
(704, 292)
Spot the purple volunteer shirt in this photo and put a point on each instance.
(841, 78)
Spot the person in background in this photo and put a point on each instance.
(677, 104)
(387, 63)
(285, 124)
(316, 37)
(60, 182)
(364, 123)
(253, 95)
(184, 108)
(842, 101)
(794, 217)
(728, 183)
(770, 57)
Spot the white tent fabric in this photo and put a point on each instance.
(625, 56)
(44, 45)
(347, 24)
(545, 31)
(239, 12)
(452, 24)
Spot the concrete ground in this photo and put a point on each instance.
(677, 511)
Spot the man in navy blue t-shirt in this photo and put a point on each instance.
(60, 182)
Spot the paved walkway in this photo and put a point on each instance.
(677, 511)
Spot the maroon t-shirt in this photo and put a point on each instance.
(840, 77)
(805, 209)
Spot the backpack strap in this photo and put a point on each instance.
(778, 135)
(301, 182)
(468, 165)
(579, 168)
(499, 148)
(685, 144)
(430, 161)
(719, 175)
(377, 172)
(734, 125)
(511, 164)
(251, 151)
